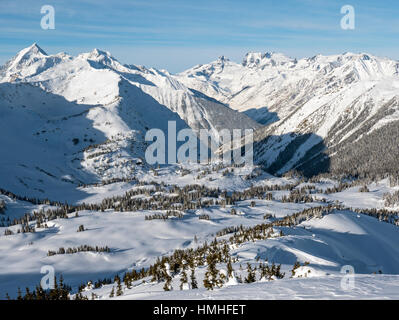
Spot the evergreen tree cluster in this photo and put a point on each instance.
(35, 201)
(265, 230)
(391, 200)
(160, 216)
(270, 272)
(394, 179)
(24, 229)
(371, 155)
(175, 200)
(341, 187)
(364, 189)
(218, 252)
(8, 232)
(162, 197)
(296, 266)
(109, 181)
(298, 196)
(204, 217)
(82, 248)
(217, 168)
(384, 215)
(60, 291)
(268, 216)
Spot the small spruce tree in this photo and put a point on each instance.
(251, 277)
(183, 279)
(112, 294)
(194, 284)
(230, 269)
(119, 290)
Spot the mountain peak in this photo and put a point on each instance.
(25, 58)
(98, 55)
(98, 52)
(223, 59)
(34, 49)
(258, 59)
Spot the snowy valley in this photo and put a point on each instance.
(76, 192)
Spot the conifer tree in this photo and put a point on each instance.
(63, 290)
(183, 279)
(230, 269)
(212, 276)
(168, 283)
(79, 296)
(112, 294)
(251, 277)
(194, 284)
(28, 295)
(296, 266)
(119, 290)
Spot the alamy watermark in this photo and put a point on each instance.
(348, 280)
(348, 20)
(48, 280)
(48, 20)
(230, 146)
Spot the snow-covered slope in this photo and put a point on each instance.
(313, 103)
(82, 119)
(67, 122)
(327, 244)
(95, 77)
(340, 238)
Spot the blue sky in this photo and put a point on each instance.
(178, 34)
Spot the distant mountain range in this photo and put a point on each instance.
(323, 114)
(82, 119)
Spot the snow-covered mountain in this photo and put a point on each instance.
(78, 79)
(82, 119)
(318, 108)
(66, 123)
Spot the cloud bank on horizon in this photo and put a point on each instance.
(179, 34)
